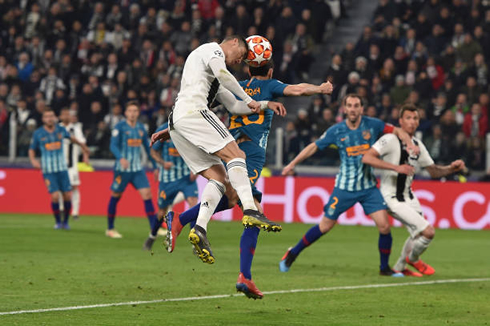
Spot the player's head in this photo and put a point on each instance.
(235, 48)
(132, 111)
(265, 71)
(353, 107)
(49, 118)
(409, 118)
(65, 115)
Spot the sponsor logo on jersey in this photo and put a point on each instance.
(357, 150)
(134, 142)
(52, 146)
(173, 152)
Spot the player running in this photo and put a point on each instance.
(252, 133)
(203, 140)
(72, 153)
(48, 139)
(126, 140)
(389, 154)
(174, 177)
(355, 181)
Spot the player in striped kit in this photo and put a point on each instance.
(389, 154)
(354, 183)
(174, 177)
(72, 153)
(126, 140)
(48, 139)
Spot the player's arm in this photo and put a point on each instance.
(308, 151)
(79, 135)
(80, 143)
(228, 81)
(305, 89)
(146, 145)
(162, 136)
(406, 139)
(32, 152)
(237, 107)
(439, 171)
(157, 156)
(372, 157)
(114, 147)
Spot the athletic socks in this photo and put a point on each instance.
(238, 175)
(191, 214)
(402, 263)
(67, 211)
(150, 213)
(111, 212)
(75, 202)
(310, 236)
(210, 199)
(420, 244)
(248, 242)
(55, 207)
(384, 244)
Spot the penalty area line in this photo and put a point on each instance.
(222, 296)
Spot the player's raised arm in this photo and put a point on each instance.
(372, 157)
(305, 89)
(237, 107)
(405, 138)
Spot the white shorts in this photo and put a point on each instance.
(409, 213)
(74, 176)
(197, 136)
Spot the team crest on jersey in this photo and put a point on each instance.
(60, 136)
(218, 53)
(366, 134)
(141, 133)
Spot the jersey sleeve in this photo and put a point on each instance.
(327, 139)
(277, 88)
(424, 159)
(378, 126)
(384, 145)
(79, 134)
(215, 52)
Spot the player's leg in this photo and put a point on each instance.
(55, 207)
(236, 165)
(339, 202)
(119, 184)
(75, 196)
(140, 183)
(65, 188)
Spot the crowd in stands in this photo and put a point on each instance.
(434, 54)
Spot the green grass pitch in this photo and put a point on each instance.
(43, 268)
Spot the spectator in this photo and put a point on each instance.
(399, 93)
(24, 67)
(475, 123)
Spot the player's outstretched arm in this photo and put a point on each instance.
(237, 107)
(412, 149)
(371, 157)
(439, 171)
(162, 136)
(303, 155)
(305, 89)
(34, 161)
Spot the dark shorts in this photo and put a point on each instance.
(340, 201)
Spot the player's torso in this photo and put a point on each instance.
(178, 170)
(197, 82)
(256, 126)
(51, 147)
(71, 150)
(131, 139)
(352, 144)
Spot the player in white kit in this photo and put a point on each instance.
(389, 154)
(204, 142)
(72, 153)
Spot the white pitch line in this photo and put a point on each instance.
(221, 296)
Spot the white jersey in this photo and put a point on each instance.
(391, 150)
(199, 85)
(71, 150)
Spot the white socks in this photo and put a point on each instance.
(238, 175)
(419, 245)
(210, 198)
(75, 202)
(401, 263)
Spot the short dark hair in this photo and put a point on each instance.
(241, 40)
(132, 102)
(48, 109)
(261, 71)
(344, 101)
(408, 107)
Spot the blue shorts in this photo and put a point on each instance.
(255, 163)
(121, 179)
(341, 200)
(167, 191)
(57, 181)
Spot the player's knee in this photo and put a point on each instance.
(55, 197)
(429, 232)
(384, 228)
(145, 193)
(326, 224)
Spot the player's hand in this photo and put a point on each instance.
(167, 165)
(162, 136)
(277, 107)
(405, 169)
(459, 165)
(254, 106)
(86, 158)
(192, 177)
(288, 169)
(413, 149)
(36, 164)
(327, 88)
(124, 163)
